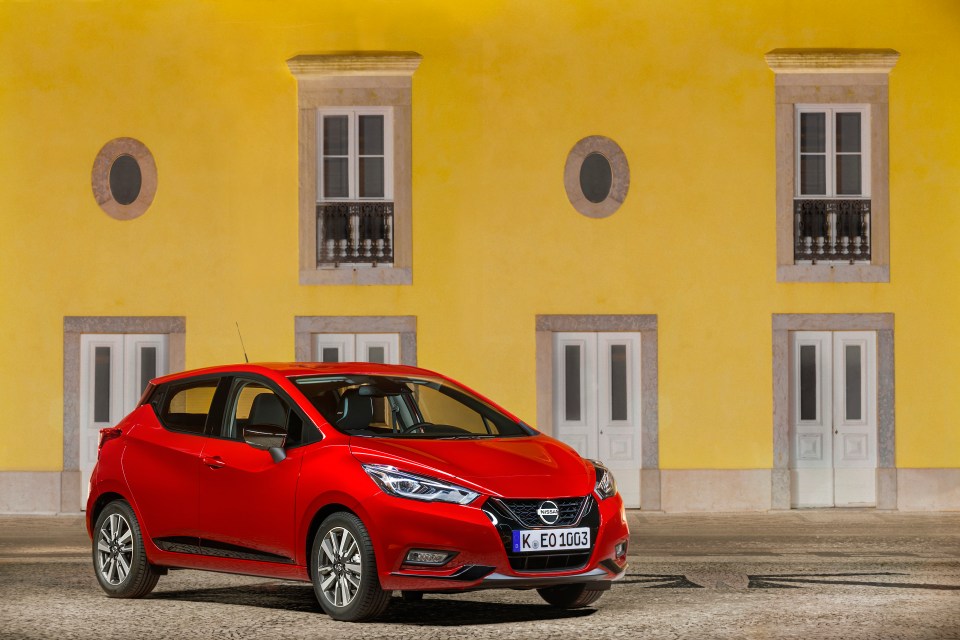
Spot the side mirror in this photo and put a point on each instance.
(268, 437)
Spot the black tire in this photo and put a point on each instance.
(119, 560)
(569, 596)
(346, 583)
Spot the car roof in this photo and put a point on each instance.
(294, 369)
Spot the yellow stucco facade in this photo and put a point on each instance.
(504, 90)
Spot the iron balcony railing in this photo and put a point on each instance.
(354, 233)
(831, 230)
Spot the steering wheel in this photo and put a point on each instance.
(416, 427)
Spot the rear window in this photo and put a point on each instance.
(186, 405)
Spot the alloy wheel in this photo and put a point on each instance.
(338, 566)
(115, 549)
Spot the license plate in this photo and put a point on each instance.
(551, 540)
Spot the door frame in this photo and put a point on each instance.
(305, 327)
(646, 326)
(882, 324)
(175, 327)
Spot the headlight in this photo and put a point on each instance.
(409, 485)
(606, 485)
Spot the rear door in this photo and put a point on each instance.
(162, 459)
(247, 499)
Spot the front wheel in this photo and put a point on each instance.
(119, 559)
(570, 596)
(344, 570)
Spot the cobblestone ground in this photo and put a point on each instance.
(812, 574)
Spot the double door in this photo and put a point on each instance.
(833, 446)
(382, 348)
(114, 371)
(596, 401)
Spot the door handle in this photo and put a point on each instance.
(214, 462)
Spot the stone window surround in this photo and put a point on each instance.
(882, 323)
(175, 327)
(646, 325)
(305, 327)
(100, 178)
(620, 174)
(833, 76)
(356, 79)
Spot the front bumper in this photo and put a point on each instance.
(481, 560)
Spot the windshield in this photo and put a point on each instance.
(395, 407)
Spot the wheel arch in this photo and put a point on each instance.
(322, 514)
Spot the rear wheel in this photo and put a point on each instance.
(344, 570)
(119, 560)
(570, 596)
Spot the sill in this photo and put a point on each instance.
(833, 273)
(357, 276)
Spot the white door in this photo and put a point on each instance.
(114, 371)
(597, 402)
(383, 348)
(833, 449)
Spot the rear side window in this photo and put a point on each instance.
(186, 405)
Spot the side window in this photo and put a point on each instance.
(187, 404)
(253, 403)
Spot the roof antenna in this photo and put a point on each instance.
(245, 358)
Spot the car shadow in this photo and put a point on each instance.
(433, 611)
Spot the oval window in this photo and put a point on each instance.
(125, 179)
(596, 176)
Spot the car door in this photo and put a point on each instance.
(161, 462)
(247, 498)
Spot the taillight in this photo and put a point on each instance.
(106, 435)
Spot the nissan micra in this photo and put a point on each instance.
(363, 479)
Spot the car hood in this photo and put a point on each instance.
(524, 467)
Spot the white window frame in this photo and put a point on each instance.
(353, 157)
(830, 111)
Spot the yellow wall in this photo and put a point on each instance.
(504, 91)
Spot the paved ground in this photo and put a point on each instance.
(807, 574)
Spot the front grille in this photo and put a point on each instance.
(526, 511)
(579, 512)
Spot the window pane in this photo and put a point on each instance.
(852, 357)
(376, 354)
(571, 364)
(335, 178)
(813, 175)
(148, 366)
(330, 354)
(848, 175)
(101, 384)
(335, 141)
(813, 137)
(618, 382)
(371, 178)
(848, 132)
(187, 405)
(808, 382)
(371, 135)
(596, 177)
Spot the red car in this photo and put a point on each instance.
(362, 478)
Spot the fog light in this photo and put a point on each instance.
(428, 557)
(621, 551)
